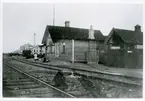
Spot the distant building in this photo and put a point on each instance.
(26, 47)
(124, 48)
(39, 49)
(73, 44)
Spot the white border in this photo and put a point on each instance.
(75, 1)
(61, 1)
(1, 46)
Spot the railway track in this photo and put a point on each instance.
(90, 74)
(81, 85)
(17, 83)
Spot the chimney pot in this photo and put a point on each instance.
(138, 28)
(67, 23)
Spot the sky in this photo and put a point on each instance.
(22, 20)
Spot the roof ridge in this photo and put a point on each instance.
(72, 27)
(124, 29)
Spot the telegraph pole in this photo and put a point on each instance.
(54, 25)
(53, 14)
(34, 38)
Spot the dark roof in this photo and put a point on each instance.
(58, 33)
(128, 36)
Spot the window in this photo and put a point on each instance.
(63, 47)
(115, 47)
(129, 51)
(53, 49)
(50, 49)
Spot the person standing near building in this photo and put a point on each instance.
(35, 56)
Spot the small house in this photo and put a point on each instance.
(124, 48)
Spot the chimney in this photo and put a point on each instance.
(138, 28)
(67, 23)
(91, 33)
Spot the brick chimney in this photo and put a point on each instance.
(91, 33)
(67, 23)
(137, 28)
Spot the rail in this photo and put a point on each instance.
(40, 81)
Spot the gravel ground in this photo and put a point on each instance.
(82, 86)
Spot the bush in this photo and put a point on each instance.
(41, 55)
(27, 54)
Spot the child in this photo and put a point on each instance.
(35, 57)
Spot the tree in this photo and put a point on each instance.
(27, 53)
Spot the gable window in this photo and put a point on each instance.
(115, 43)
(129, 51)
(63, 47)
(115, 47)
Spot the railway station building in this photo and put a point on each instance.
(73, 44)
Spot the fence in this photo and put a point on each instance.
(123, 58)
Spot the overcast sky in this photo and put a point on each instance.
(22, 20)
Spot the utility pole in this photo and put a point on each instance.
(54, 25)
(34, 38)
(73, 51)
(53, 14)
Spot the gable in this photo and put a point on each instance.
(127, 36)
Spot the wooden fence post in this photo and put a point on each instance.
(72, 50)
